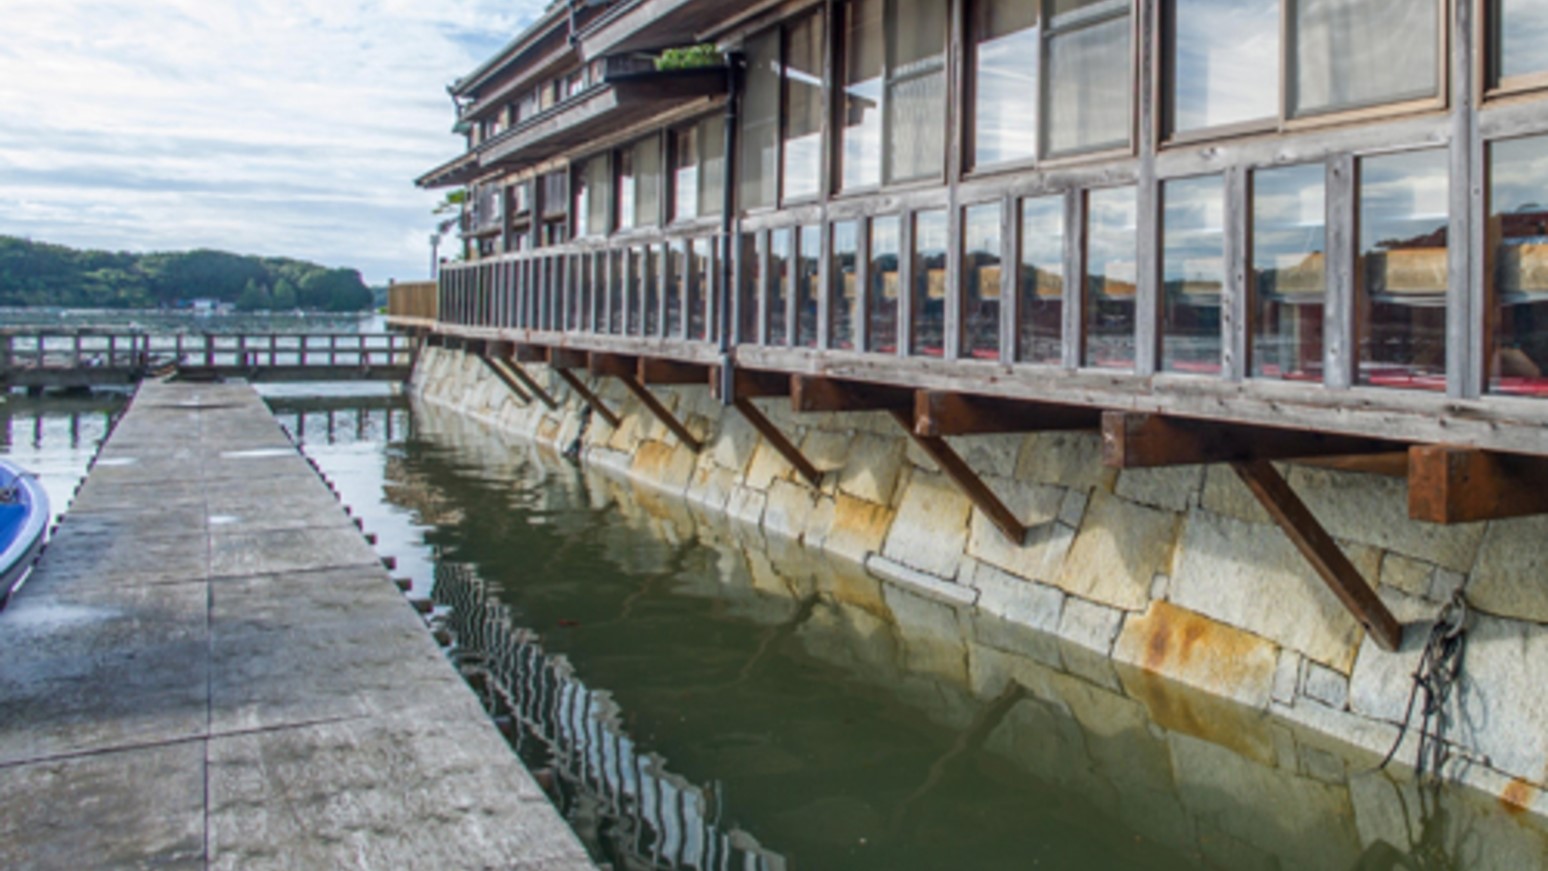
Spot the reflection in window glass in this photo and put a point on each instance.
(1289, 245)
(981, 281)
(685, 173)
(1089, 83)
(634, 304)
(676, 286)
(712, 166)
(647, 183)
(1520, 43)
(781, 247)
(615, 291)
(1111, 237)
(916, 90)
(864, 63)
(599, 292)
(580, 317)
(1192, 274)
(1005, 61)
(650, 291)
(845, 290)
(803, 108)
(1518, 285)
(759, 168)
(929, 293)
(582, 201)
(597, 196)
(751, 265)
(881, 330)
(1040, 280)
(1352, 53)
(1224, 62)
(1401, 297)
(808, 258)
(571, 285)
(623, 182)
(696, 288)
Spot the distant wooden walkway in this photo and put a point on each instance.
(47, 358)
(211, 669)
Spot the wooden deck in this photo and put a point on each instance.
(211, 668)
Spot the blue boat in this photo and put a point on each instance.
(24, 518)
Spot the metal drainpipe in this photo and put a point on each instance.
(728, 222)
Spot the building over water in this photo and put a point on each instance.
(1217, 232)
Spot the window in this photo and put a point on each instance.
(1040, 280)
(1089, 80)
(808, 260)
(981, 281)
(1352, 53)
(1111, 239)
(616, 265)
(781, 249)
(676, 286)
(1289, 263)
(582, 316)
(698, 169)
(623, 183)
(846, 297)
(1223, 58)
(929, 290)
(647, 182)
(803, 108)
(591, 192)
(895, 91)
(634, 303)
(760, 123)
(645, 260)
(1518, 282)
(1400, 297)
(1006, 49)
(1192, 274)
(712, 166)
(685, 173)
(881, 332)
(1518, 40)
(754, 247)
(699, 286)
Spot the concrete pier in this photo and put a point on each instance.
(210, 668)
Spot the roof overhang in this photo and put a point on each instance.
(652, 25)
(455, 172)
(554, 16)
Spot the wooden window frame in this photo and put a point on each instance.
(1484, 51)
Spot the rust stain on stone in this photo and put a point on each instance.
(1517, 797)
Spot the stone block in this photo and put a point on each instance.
(1409, 576)
(1225, 494)
(1013, 598)
(788, 509)
(1193, 649)
(1175, 488)
(919, 582)
(746, 505)
(711, 486)
(930, 531)
(666, 465)
(1243, 575)
(1119, 548)
(1325, 685)
(827, 448)
(1069, 459)
(990, 455)
(1287, 676)
(1511, 579)
(733, 443)
(1504, 706)
(766, 467)
(1072, 511)
(1089, 624)
(1042, 553)
(1380, 681)
(872, 470)
(859, 528)
(819, 522)
(1373, 510)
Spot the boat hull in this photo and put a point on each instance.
(24, 516)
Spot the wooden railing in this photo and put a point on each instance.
(413, 300)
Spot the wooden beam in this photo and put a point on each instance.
(1450, 484)
(649, 400)
(778, 441)
(616, 365)
(584, 392)
(506, 376)
(939, 413)
(1391, 465)
(754, 383)
(654, 370)
(1134, 440)
(966, 480)
(530, 354)
(810, 393)
(1319, 549)
(566, 358)
(530, 383)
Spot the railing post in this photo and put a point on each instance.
(333, 349)
(7, 352)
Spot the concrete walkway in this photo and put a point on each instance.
(211, 669)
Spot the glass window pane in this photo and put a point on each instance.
(685, 174)
(1192, 274)
(633, 304)
(1005, 61)
(1111, 237)
(1521, 37)
(1351, 53)
(803, 108)
(981, 281)
(1040, 279)
(1088, 88)
(650, 290)
(881, 332)
(760, 123)
(623, 182)
(1289, 245)
(597, 196)
(647, 182)
(615, 291)
(701, 261)
(845, 290)
(753, 246)
(1518, 234)
(712, 160)
(916, 90)
(781, 248)
(1401, 297)
(582, 201)
(864, 62)
(929, 292)
(808, 259)
(676, 286)
(1224, 62)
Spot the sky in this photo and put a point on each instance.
(276, 127)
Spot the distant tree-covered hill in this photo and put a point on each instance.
(39, 274)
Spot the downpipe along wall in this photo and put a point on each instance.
(1177, 571)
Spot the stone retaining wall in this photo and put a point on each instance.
(1177, 571)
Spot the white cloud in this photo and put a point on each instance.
(286, 127)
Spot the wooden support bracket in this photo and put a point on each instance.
(1133, 440)
(966, 479)
(530, 354)
(616, 365)
(751, 383)
(534, 388)
(584, 392)
(810, 393)
(1319, 549)
(778, 441)
(1449, 484)
(938, 413)
(654, 370)
(649, 400)
(566, 358)
(504, 373)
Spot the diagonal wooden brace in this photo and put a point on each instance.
(531, 384)
(504, 373)
(1319, 549)
(591, 399)
(649, 400)
(966, 479)
(778, 441)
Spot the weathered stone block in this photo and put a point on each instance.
(1407, 575)
(827, 449)
(919, 582)
(663, 465)
(711, 486)
(766, 467)
(1090, 624)
(746, 505)
(1505, 706)
(1119, 548)
(872, 469)
(788, 508)
(1193, 649)
(1246, 576)
(1072, 511)
(1014, 598)
(1287, 676)
(859, 528)
(990, 455)
(1326, 685)
(733, 445)
(819, 522)
(1041, 554)
(1069, 459)
(1373, 510)
(931, 528)
(1175, 488)
(1511, 579)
